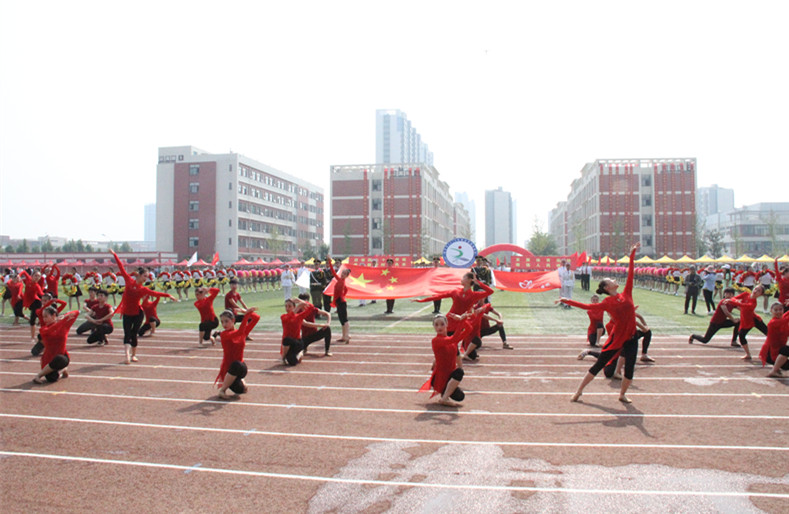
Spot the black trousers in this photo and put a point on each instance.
(390, 305)
(131, 327)
(691, 295)
(206, 327)
(492, 330)
(714, 327)
(99, 332)
(324, 333)
(293, 347)
(708, 301)
(757, 323)
(317, 299)
(629, 352)
(147, 326)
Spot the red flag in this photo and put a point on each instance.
(532, 282)
(215, 259)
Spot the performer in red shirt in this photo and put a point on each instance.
(233, 369)
(340, 289)
(782, 278)
(52, 277)
(622, 310)
(16, 287)
(721, 318)
(462, 299)
(130, 309)
(747, 303)
(596, 328)
(487, 329)
(208, 320)
(99, 319)
(54, 334)
(151, 316)
(447, 363)
(31, 298)
(233, 301)
(292, 348)
(46, 301)
(311, 331)
(774, 350)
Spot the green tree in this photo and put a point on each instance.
(23, 247)
(541, 243)
(713, 240)
(9, 249)
(47, 246)
(771, 220)
(125, 247)
(275, 242)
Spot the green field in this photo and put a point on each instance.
(524, 313)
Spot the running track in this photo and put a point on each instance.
(349, 433)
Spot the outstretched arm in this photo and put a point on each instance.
(631, 271)
(121, 269)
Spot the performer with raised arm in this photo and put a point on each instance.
(447, 363)
(233, 369)
(463, 299)
(774, 350)
(54, 335)
(340, 289)
(129, 308)
(205, 306)
(622, 310)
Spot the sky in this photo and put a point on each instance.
(513, 94)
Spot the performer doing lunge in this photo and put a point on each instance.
(447, 364)
(54, 335)
(233, 369)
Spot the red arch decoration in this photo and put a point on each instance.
(505, 248)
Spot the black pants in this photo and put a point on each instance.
(629, 352)
(239, 370)
(708, 301)
(327, 303)
(292, 349)
(324, 333)
(691, 295)
(458, 395)
(757, 323)
(100, 332)
(389, 305)
(342, 311)
(317, 298)
(646, 338)
(609, 369)
(783, 351)
(131, 326)
(436, 306)
(206, 327)
(714, 327)
(33, 308)
(17, 307)
(147, 326)
(58, 363)
(492, 330)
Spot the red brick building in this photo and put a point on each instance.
(618, 201)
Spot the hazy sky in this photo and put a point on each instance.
(511, 94)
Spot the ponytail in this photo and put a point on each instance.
(601, 287)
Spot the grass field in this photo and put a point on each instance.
(524, 313)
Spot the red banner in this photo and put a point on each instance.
(366, 283)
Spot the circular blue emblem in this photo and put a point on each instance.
(460, 253)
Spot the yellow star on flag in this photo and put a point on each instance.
(391, 288)
(385, 272)
(360, 281)
(379, 290)
(393, 280)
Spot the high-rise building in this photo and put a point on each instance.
(234, 205)
(149, 232)
(403, 210)
(396, 141)
(471, 207)
(499, 217)
(714, 200)
(616, 202)
(757, 229)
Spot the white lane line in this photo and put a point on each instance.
(431, 408)
(315, 478)
(369, 439)
(410, 390)
(520, 375)
(415, 313)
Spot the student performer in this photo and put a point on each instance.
(233, 368)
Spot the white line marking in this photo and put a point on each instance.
(193, 468)
(313, 478)
(268, 433)
(405, 411)
(409, 390)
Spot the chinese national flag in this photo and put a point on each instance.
(215, 260)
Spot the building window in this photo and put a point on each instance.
(194, 205)
(646, 220)
(230, 204)
(194, 187)
(229, 186)
(646, 200)
(376, 204)
(229, 241)
(646, 180)
(377, 243)
(229, 223)
(194, 224)
(194, 169)
(376, 223)
(193, 242)
(377, 184)
(230, 167)
(646, 240)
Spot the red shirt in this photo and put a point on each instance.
(595, 320)
(462, 300)
(445, 350)
(747, 306)
(783, 285)
(91, 304)
(99, 311)
(291, 323)
(16, 291)
(60, 306)
(312, 310)
(52, 279)
(206, 305)
(33, 290)
(54, 337)
(134, 292)
(339, 288)
(621, 309)
(233, 342)
(231, 300)
(719, 317)
(777, 335)
(149, 308)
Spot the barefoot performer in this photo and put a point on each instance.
(623, 312)
(54, 334)
(233, 369)
(447, 363)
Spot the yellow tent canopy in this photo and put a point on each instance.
(745, 258)
(666, 260)
(310, 262)
(346, 260)
(724, 259)
(623, 260)
(705, 258)
(765, 258)
(606, 260)
(645, 260)
(784, 258)
(421, 260)
(687, 259)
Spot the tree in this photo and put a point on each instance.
(713, 242)
(702, 244)
(125, 247)
(47, 246)
(9, 249)
(275, 243)
(23, 247)
(323, 251)
(578, 237)
(771, 220)
(307, 250)
(541, 243)
(346, 233)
